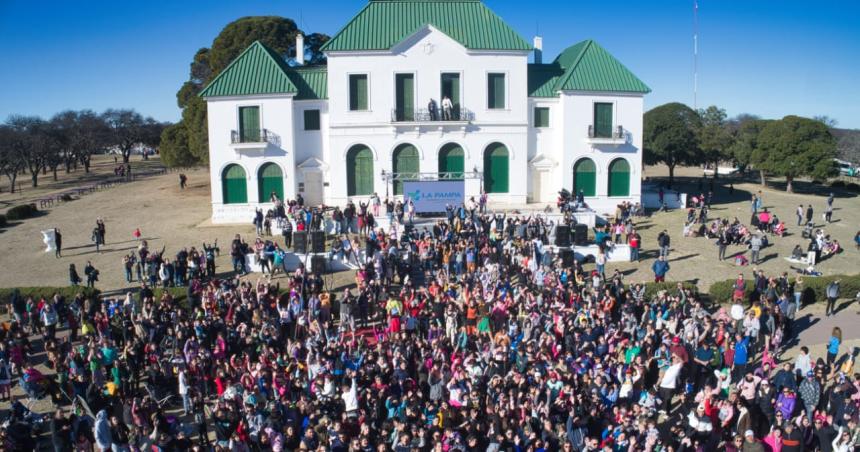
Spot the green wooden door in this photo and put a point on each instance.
(249, 124)
(585, 177)
(270, 179)
(602, 120)
(619, 178)
(451, 89)
(359, 171)
(233, 185)
(405, 163)
(405, 96)
(452, 160)
(496, 168)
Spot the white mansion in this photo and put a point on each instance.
(424, 89)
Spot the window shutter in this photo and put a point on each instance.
(541, 117)
(495, 91)
(312, 120)
(358, 92)
(249, 124)
(602, 120)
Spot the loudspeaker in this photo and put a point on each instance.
(300, 242)
(562, 235)
(318, 265)
(317, 241)
(580, 236)
(567, 257)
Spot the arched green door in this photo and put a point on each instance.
(405, 163)
(452, 160)
(585, 177)
(233, 185)
(619, 178)
(270, 179)
(496, 168)
(359, 171)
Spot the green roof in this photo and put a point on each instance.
(590, 67)
(311, 81)
(384, 23)
(543, 78)
(257, 70)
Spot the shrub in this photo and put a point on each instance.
(852, 186)
(66, 198)
(651, 289)
(838, 184)
(22, 212)
(814, 288)
(68, 292)
(2, 221)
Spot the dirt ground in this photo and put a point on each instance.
(173, 218)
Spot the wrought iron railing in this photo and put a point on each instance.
(251, 137)
(616, 133)
(425, 115)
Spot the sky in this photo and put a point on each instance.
(767, 57)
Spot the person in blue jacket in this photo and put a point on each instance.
(660, 268)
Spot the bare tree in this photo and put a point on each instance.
(127, 128)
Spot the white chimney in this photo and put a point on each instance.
(300, 49)
(538, 45)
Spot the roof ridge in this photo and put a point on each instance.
(268, 52)
(224, 71)
(569, 71)
(344, 27)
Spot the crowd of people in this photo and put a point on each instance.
(472, 334)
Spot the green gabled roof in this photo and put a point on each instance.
(384, 23)
(257, 70)
(589, 67)
(543, 78)
(311, 82)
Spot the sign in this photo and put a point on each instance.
(433, 196)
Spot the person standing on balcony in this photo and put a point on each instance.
(447, 108)
(433, 109)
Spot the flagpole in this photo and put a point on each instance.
(695, 54)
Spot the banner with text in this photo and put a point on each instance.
(433, 196)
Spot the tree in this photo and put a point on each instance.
(278, 33)
(746, 142)
(174, 147)
(127, 128)
(32, 144)
(794, 147)
(826, 120)
(714, 136)
(11, 140)
(670, 136)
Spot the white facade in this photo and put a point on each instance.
(314, 162)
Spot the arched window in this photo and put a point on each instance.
(270, 179)
(619, 178)
(405, 163)
(452, 160)
(496, 168)
(359, 171)
(233, 185)
(585, 177)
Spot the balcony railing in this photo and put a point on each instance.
(617, 133)
(425, 115)
(252, 137)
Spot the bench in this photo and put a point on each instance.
(46, 202)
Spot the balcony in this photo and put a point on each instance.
(256, 140)
(616, 137)
(457, 116)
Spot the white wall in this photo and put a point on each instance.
(276, 115)
(428, 54)
(578, 115)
